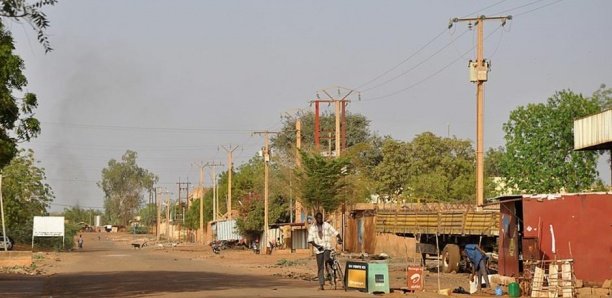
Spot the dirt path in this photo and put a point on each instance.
(109, 266)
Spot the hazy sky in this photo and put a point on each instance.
(173, 80)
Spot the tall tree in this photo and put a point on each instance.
(17, 122)
(539, 146)
(429, 167)
(603, 96)
(123, 183)
(357, 131)
(25, 194)
(31, 13)
(320, 180)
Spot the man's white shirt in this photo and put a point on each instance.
(328, 233)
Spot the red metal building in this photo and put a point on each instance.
(560, 226)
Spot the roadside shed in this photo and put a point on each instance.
(557, 227)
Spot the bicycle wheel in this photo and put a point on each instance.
(330, 274)
(339, 275)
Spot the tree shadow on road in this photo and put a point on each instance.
(131, 283)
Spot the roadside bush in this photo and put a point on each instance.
(139, 230)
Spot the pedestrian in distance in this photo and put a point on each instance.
(478, 259)
(80, 241)
(319, 236)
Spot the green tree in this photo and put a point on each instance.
(392, 172)
(123, 183)
(320, 180)
(25, 195)
(249, 190)
(603, 96)
(31, 13)
(539, 146)
(77, 215)
(148, 215)
(357, 131)
(429, 167)
(17, 122)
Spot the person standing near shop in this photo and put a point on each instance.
(478, 258)
(319, 236)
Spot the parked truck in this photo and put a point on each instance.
(455, 225)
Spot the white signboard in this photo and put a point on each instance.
(48, 226)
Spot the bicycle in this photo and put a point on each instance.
(334, 270)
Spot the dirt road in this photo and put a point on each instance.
(110, 267)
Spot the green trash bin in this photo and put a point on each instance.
(514, 290)
(378, 277)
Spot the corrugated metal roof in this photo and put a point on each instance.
(593, 132)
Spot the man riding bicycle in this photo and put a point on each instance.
(319, 236)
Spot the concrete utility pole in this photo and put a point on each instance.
(157, 205)
(213, 179)
(479, 70)
(230, 165)
(201, 185)
(2, 215)
(266, 155)
(298, 163)
(294, 203)
(180, 211)
(168, 216)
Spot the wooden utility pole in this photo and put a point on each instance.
(266, 155)
(230, 165)
(479, 70)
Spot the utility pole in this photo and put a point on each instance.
(213, 179)
(298, 163)
(201, 185)
(168, 216)
(266, 155)
(180, 211)
(230, 165)
(479, 71)
(2, 215)
(157, 205)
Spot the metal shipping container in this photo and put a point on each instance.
(226, 230)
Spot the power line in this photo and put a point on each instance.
(485, 8)
(537, 8)
(403, 61)
(430, 76)
(171, 129)
(418, 64)
(518, 7)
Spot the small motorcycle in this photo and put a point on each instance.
(256, 247)
(216, 248)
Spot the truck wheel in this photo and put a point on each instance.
(450, 258)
